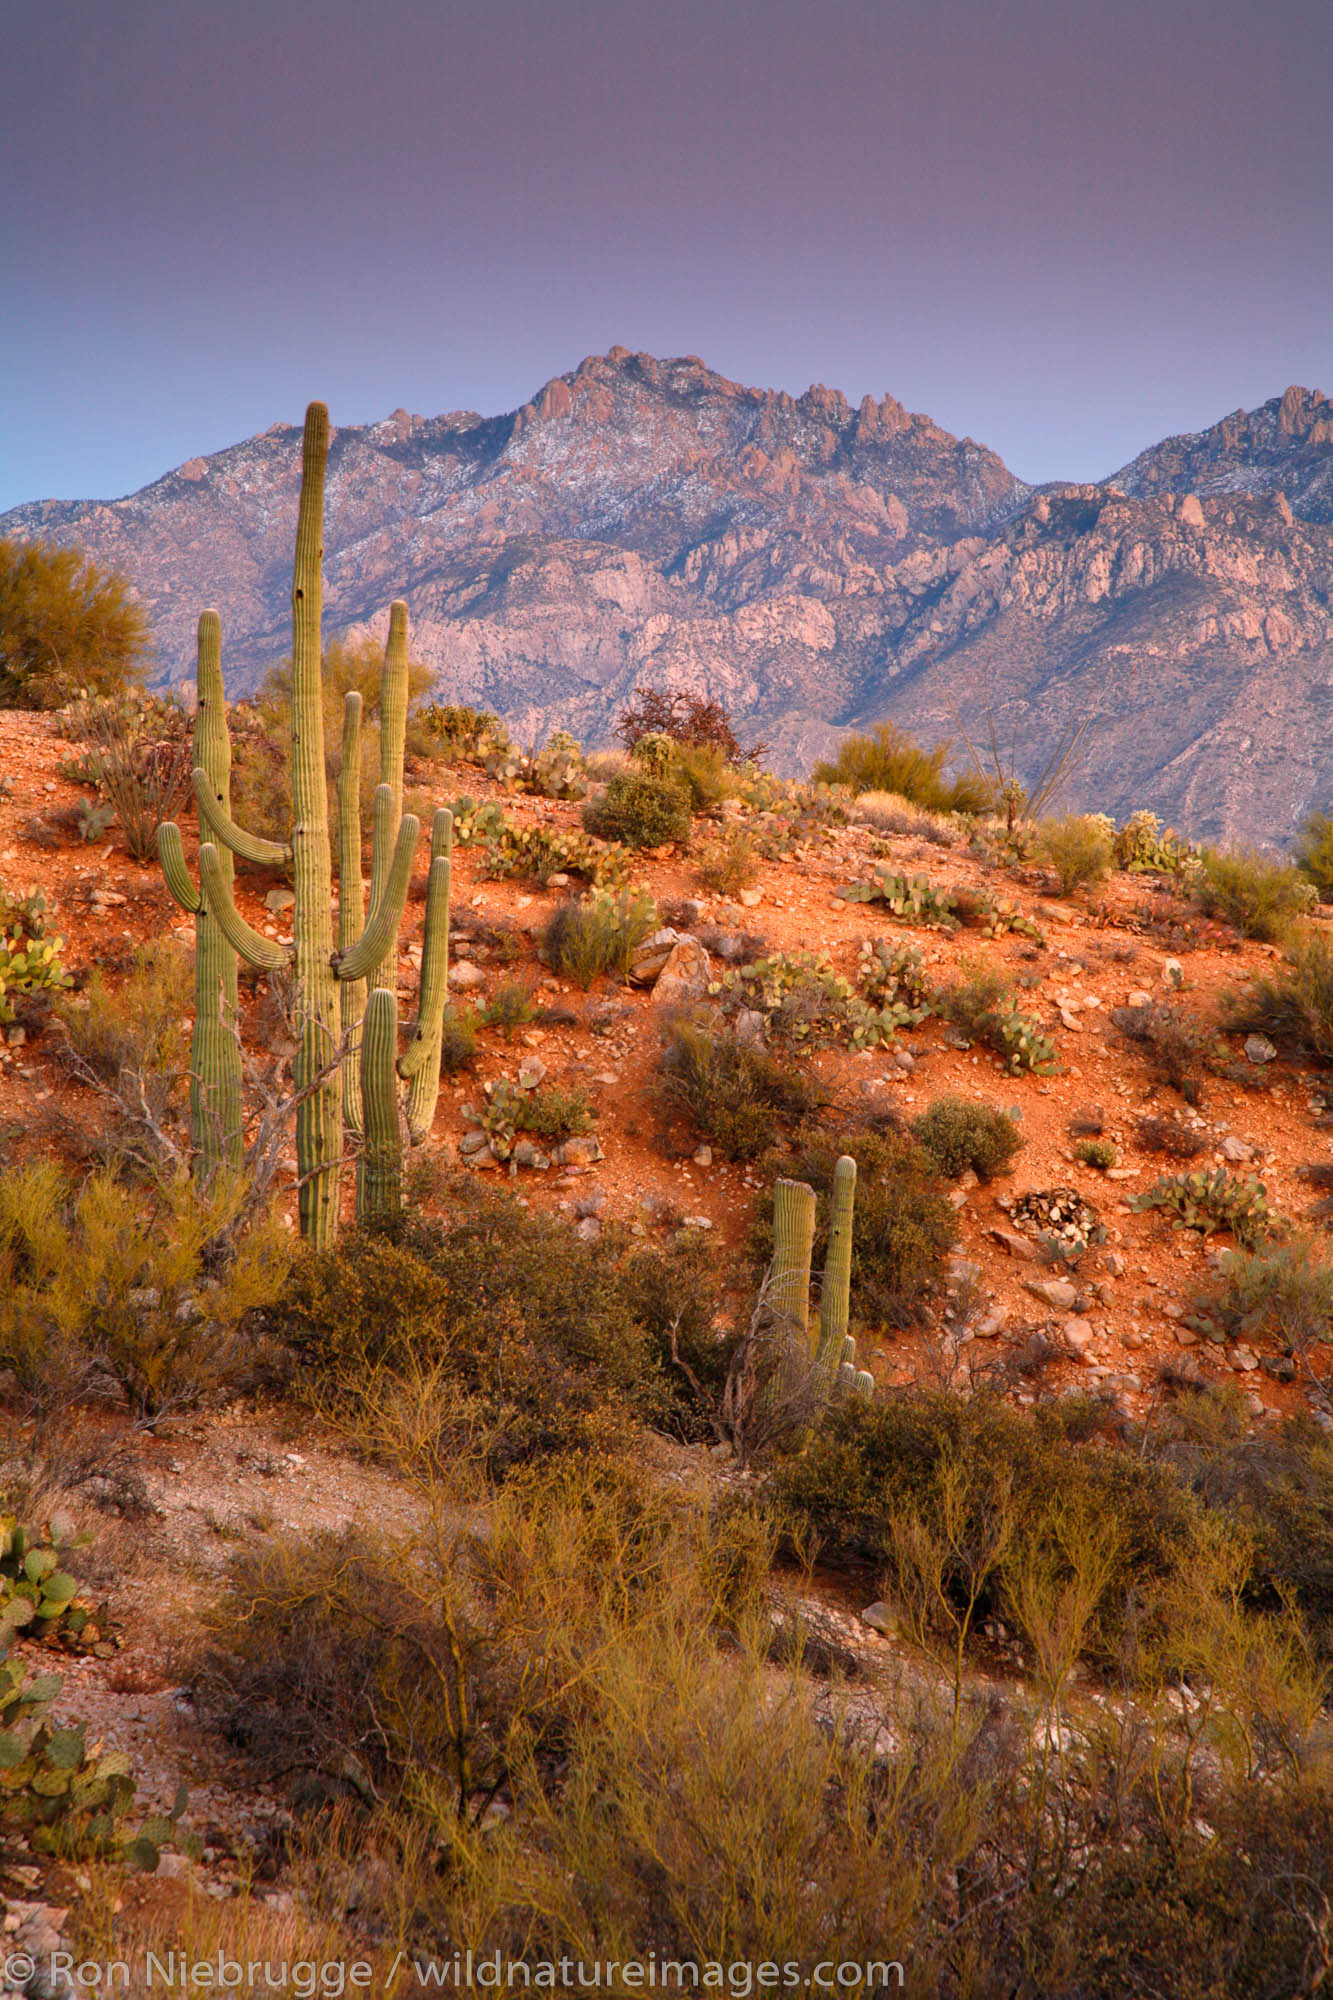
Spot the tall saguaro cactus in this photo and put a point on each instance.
(329, 984)
(215, 1051)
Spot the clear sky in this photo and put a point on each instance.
(1065, 228)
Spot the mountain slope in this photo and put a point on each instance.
(812, 564)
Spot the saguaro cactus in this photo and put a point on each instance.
(832, 1353)
(215, 1051)
(380, 1168)
(328, 1024)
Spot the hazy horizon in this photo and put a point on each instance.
(1064, 234)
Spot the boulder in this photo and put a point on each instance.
(648, 959)
(686, 975)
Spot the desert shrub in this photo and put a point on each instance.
(129, 1044)
(1077, 848)
(727, 864)
(689, 720)
(551, 1114)
(957, 1133)
(450, 733)
(138, 1295)
(1210, 1201)
(889, 760)
(458, 1038)
(1281, 1294)
(598, 933)
(1254, 893)
(32, 966)
(890, 812)
(1178, 1049)
(1275, 1485)
(903, 1226)
(702, 774)
(1099, 1153)
(1295, 1007)
(510, 1007)
(732, 1092)
(141, 755)
(1314, 853)
(981, 1007)
(1007, 1484)
(805, 1000)
(639, 811)
(1171, 1136)
(66, 627)
(539, 1342)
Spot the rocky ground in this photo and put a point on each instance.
(1116, 1321)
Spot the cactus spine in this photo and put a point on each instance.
(215, 1050)
(380, 1169)
(329, 984)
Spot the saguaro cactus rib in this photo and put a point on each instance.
(265, 954)
(249, 846)
(382, 924)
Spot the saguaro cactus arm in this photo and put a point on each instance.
(248, 846)
(835, 1296)
(379, 1172)
(386, 915)
(265, 954)
(421, 1062)
(171, 854)
(351, 900)
(793, 1242)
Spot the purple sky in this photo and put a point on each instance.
(1066, 229)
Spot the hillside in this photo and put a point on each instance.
(267, 1474)
(813, 565)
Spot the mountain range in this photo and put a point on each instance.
(815, 565)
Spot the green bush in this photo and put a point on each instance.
(1314, 852)
(458, 1038)
(981, 1008)
(957, 1133)
(727, 864)
(510, 1007)
(1099, 1153)
(449, 732)
(1295, 1007)
(542, 1343)
(1078, 848)
(639, 811)
(1281, 1295)
(732, 1092)
(1257, 895)
(903, 1226)
(889, 760)
(598, 933)
(1009, 1480)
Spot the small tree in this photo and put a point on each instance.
(685, 718)
(65, 625)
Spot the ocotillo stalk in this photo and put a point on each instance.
(351, 900)
(319, 1112)
(380, 1169)
(420, 1064)
(793, 1242)
(836, 1294)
